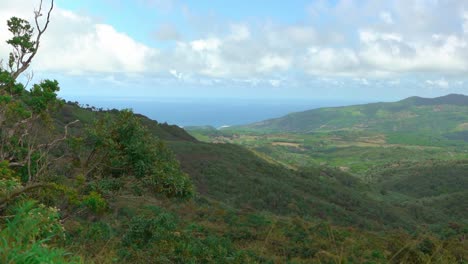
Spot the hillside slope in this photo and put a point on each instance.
(248, 210)
(237, 177)
(439, 185)
(415, 115)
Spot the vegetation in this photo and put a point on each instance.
(84, 185)
(37, 162)
(432, 117)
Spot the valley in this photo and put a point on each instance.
(365, 137)
(407, 168)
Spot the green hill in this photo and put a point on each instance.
(435, 116)
(450, 99)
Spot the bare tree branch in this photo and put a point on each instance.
(58, 140)
(23, 65)
(25, 189)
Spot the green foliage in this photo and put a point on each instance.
(164, 240)
(5, 171)
(128, 149)
(95, 202)
(9, 182)
(43, 96)
(30, 233)
(22, 35)
(157, 234)
(425, 179)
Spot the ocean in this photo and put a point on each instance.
(214, 112)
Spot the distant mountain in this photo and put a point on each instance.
(450, 99)
(446, 114)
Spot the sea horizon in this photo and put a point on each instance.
(216, 112)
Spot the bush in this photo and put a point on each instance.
(30, 235)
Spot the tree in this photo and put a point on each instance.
(25, 113)
(32, 142)
(118, 145)
(23, 43)
(28, 229)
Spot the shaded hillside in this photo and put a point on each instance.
(439, 185)
(236, 176)
(413, 115)
(426, 179)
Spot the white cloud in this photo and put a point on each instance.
(200, 56)
(405, 37)
(394, 82)
(394, 54)
(362, 81)
(176, 74)
(239, 32)
(368, 36)
(465, 22)
(271, 62)
(300, 34)
(386, 17)
(100, 49)
(329, 61)
(77, 44)
(441, 83)
(201, 45)
(275, 83)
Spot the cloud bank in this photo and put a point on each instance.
(360, 40)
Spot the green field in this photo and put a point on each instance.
(357, 152)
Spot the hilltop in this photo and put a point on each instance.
(450, 99)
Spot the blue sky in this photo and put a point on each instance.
(300, 49)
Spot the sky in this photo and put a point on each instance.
(362, 50)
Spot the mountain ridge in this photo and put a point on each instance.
(456, 99)
(381, 116)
